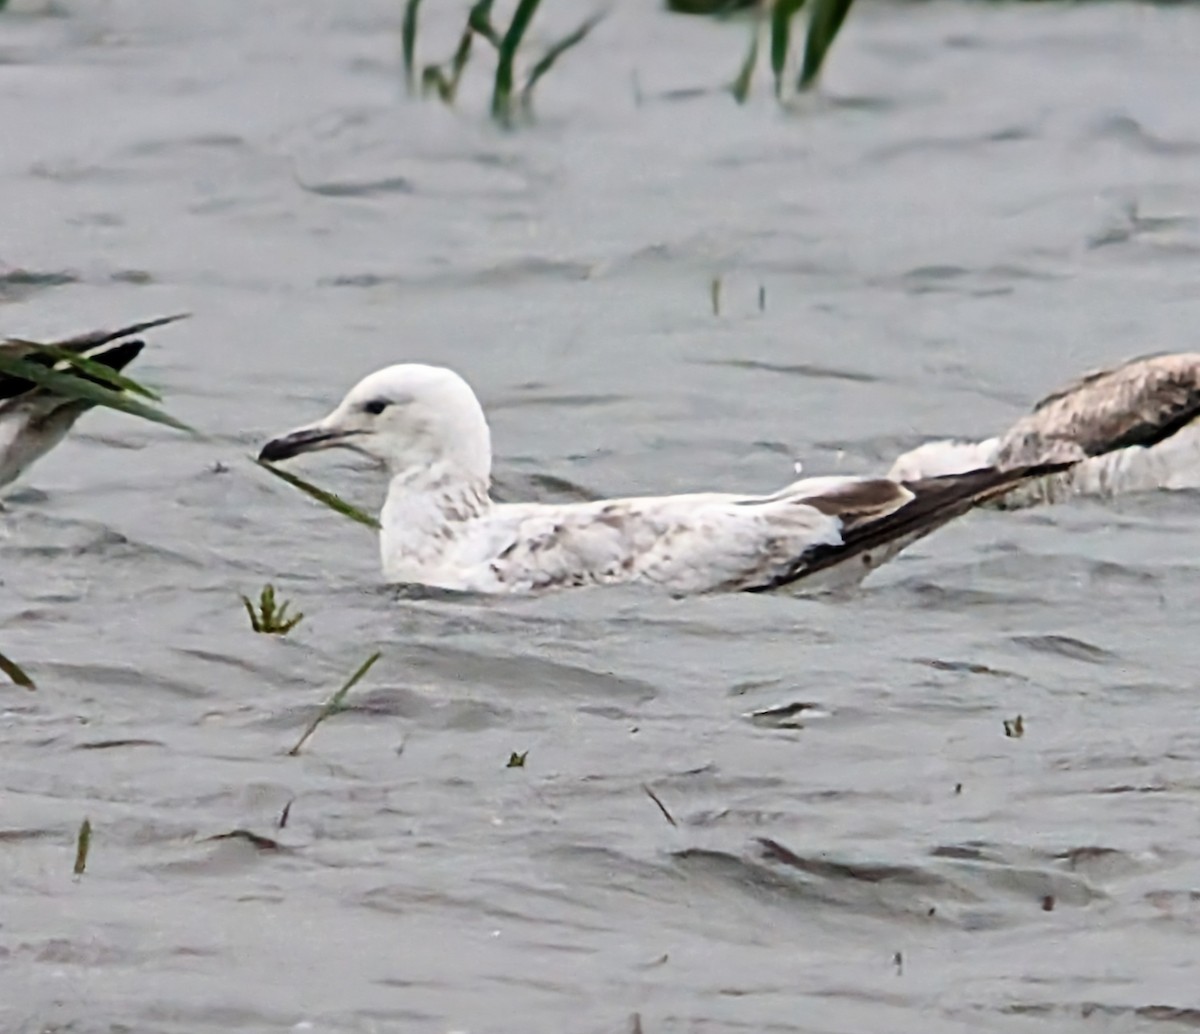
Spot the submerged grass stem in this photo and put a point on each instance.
(334, 703)
(408, 42)
(827, 19)
(16, 674)
(334, 502)
(71, 386)
(83, 843)
(553, 53)
(781, 38)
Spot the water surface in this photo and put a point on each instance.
(985, 200)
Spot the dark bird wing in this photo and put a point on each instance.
(874, 528)
(113, 348)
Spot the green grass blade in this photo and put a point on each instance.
(827, 18)
(458, 63)
(445, 84)
(781, 38)
(334, 502)
(255, 624)
(255, 840)
(740, 87)
(72, 387)
(432, 79)
(16, 674)
(408, 42)
(334, 703)
(83, 844)
(555, 52)
(709, 8)
(480, 21)
(93, 368)
(509, 45)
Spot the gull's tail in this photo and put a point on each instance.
(872, 538)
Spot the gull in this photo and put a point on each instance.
(439, 526)
(1129, 428)
(33, 420)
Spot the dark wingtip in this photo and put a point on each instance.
(985, 478)
(96, 338)
(119, 356)
(935, 502)
(1038, 470)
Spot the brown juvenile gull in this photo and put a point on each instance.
(440, 527)
(33, 420)
(1130, 428)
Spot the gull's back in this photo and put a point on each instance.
(1138, 403)
(700, 543)
(1130, 428)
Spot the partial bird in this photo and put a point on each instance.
(34, 419)
(1129, 428)
(439, 526)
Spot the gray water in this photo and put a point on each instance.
(985, 200)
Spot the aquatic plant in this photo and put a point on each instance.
(708, 7)
(714, 295)
(71, 387)
(97, 371)
(444, 79)
(777, 17)
(507, 100)
(83, 843)
(823, 27)
(269, 617)
(408, 42)
(16, 674)
(661, 807)
(1014, 728)
(516, 760)
(255, 839)
(334, 502)
(334, 703)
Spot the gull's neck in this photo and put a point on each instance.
(425, 515)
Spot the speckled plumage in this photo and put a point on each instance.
(439, 526)
(1131, 428)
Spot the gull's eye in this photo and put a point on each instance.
(375, 406)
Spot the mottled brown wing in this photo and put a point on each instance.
(930, 503)
(1141, 402)
(856, 502)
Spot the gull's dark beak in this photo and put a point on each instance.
(306, 439)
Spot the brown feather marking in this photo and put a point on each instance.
(935, 502)
(1139, 403)
(861, 499)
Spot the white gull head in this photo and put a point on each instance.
(423, 423)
